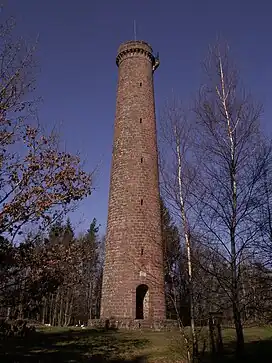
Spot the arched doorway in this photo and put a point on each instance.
(142, 301)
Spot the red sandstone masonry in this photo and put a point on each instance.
(133, 241)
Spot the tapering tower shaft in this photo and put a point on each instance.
(133, 279)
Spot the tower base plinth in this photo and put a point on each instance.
(133, 324)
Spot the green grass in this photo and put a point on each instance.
(258, 344)
(77, 345)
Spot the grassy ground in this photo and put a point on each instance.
(258, 345)
(77, 345)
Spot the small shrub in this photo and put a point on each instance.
(16, 328)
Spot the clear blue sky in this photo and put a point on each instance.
(78, 41)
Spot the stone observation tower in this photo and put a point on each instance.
(133, 280)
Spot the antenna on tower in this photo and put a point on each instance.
(134, 26)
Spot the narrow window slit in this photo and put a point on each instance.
(141, 160)
(141, 120)
(141, 84)
(142, 251)
(142, 202)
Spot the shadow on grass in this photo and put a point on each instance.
(72, 346)
(255, 351)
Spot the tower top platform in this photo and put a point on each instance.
(136, 48)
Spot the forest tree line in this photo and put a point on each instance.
(55, 279)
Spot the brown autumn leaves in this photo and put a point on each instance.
(38, 181)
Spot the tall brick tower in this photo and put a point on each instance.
(133, 282)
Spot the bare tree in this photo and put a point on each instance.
(178, 177)
(265, 207)
(229, 143)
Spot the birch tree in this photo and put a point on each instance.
(178, 177)
(229, 143)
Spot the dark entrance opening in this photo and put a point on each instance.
(142, 301)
